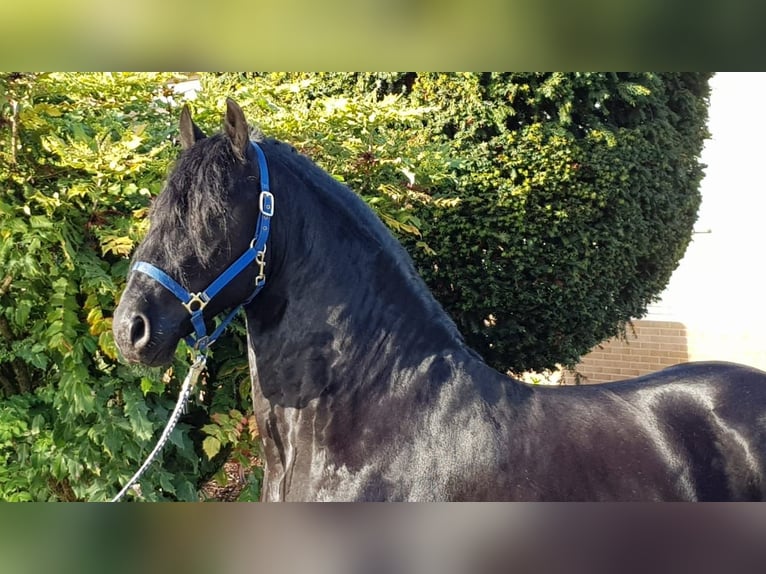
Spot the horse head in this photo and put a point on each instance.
(202, 221)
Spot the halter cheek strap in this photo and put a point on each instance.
(195, 303)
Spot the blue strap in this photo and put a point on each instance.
(164, 279)
(233, 270)
(198, 322)
(262, 167)
(195, 302)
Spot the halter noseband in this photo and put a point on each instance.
(195, 303)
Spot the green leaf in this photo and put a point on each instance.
(165, 482)
(185, 490)
(136, 412)
(211, 446)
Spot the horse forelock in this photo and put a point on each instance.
(194, 199)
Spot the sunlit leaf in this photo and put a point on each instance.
(211, 446)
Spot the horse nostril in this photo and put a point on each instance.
(139, 331)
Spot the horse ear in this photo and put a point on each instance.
(236, 128)
(190, 133)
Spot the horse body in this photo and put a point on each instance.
(363, 388)
(447, 427)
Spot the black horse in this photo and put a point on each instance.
(364, 388)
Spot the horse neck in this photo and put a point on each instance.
(345, 310)
(345, 335)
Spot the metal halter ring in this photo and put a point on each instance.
(200, 299)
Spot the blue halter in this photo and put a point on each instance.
(195, 303)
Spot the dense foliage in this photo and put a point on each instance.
(543, 210)
(579, 194)
(81, 156)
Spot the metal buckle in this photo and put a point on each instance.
(267, 203)
(200, 299)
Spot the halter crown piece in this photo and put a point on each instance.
(195, 303)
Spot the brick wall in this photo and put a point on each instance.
(649, 347)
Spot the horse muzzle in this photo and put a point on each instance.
(144, 336)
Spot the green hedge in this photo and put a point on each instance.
(579, 196)
(81, 156)
(543, 210)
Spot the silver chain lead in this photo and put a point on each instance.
(186, 388)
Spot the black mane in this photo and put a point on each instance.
(341, 201)
(351, 216)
